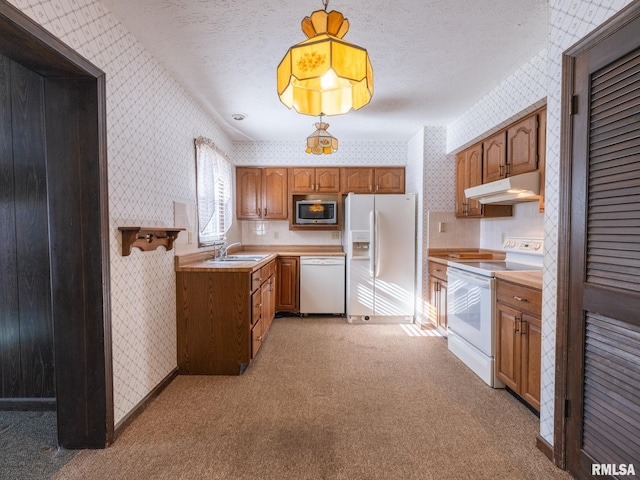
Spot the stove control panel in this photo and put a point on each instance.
(523, 245)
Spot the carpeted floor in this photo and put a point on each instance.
(328, 400)
(28, 448)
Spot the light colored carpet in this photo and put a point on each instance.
(328, 400)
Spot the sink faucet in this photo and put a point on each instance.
(225, 248)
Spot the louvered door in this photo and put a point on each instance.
(603, 379)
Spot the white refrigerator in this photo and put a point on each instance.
(380, 242)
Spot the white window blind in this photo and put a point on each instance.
(214, 190)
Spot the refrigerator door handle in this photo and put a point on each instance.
(377, 244)
(372, 237)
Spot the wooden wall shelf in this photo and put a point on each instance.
(147, 238)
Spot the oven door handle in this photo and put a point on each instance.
(485, 282)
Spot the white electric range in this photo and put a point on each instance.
(471, 303)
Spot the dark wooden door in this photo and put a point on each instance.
(603, 362)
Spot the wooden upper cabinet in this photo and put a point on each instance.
(274, 204)
(249, 193)
(522, 151)
(314, 180)
(373, 180)
(328, 180)
(261, 193)
(468, 174)
(357, 180)
(512, 151)
(389, 180)
(495, 157)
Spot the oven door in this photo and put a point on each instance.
(470, 308)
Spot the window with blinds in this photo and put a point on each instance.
(214, 193)
(614, 176)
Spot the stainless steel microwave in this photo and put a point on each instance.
(316, 212)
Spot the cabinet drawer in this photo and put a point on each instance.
(256, 279)
(438, 270)
(525, 299)
(256, 306)
(268, 270)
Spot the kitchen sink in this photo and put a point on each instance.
(240, 258)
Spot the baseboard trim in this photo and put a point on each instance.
(28, 404)
(544, 447)
(144, 403)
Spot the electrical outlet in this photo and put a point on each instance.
(335, 235)
(441, 227)
(276, 235)
(189, 237)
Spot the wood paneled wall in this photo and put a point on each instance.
(26, 331)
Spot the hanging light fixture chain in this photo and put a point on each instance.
(326, 4)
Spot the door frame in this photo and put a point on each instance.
(563, 305)
(79, 231)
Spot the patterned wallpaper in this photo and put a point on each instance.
(151, 126)
(292, 153)
(522, 92)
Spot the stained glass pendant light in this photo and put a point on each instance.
(321, 142)
(325, 75)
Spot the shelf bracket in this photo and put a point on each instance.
(147, 238)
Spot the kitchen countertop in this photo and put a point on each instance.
(529, 278)
(444, 256)
(201, 261)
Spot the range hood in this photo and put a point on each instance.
(507, 191)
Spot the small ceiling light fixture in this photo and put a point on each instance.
(325, 75)
(238, 116)
(321, 142)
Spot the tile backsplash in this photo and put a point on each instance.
(526, 222)
(446, 231)
(278, 233)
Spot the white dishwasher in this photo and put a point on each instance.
(322, 285)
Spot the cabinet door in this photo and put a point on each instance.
(274, 188)
(461, 184)
(432, 312)
(327, 180)
(357, 180)
(389, 180)
(531, 343)
(256, 339)
(442, 306)
(507, 361)
(474, 177)
(522, 151)
(302, 180)
(495, 157)
(287, 285)
(248, 193)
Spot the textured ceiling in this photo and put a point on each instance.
(432, 59)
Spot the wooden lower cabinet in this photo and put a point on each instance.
(287, 284)
(222, 319)
(519, 339)
(438, 285)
